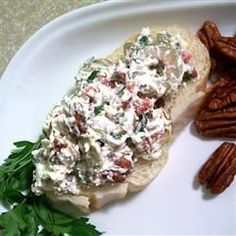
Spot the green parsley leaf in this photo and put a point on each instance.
(93, 75)
(80, 227)
(144, 40)
(98, 109)
(16, 173)
(142, 123)
(26, 217)
(19, 221)
(57, 223)
(115, 135)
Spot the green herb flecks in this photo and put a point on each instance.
(27, 211)
(116, 136)
(98, 109)
(144, 40)
(187, 76)
(122, 114)
(142, 123)
(93, 75)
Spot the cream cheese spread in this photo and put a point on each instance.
(113, 119)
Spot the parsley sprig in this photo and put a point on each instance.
(16, 173)
(25, 218)
(28, 214)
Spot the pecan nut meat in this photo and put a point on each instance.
(217, 117)
(212, 32)
(219, 171)
(222, 49)
(223, 97)
(202, 36)
(227, 47)
(225, 179)
(208, 34)
(228, 113)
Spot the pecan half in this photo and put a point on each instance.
(208, 34)
(223, 97)
(117, 177)
(220, 132)
(222, 49)
(217, 117)
(219, 171)
(227, 47)
(202, 36)
(212, 32)
(227, 113)
(225, 179)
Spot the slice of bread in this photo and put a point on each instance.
(182, 107)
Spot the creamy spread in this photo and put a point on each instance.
(114, 118)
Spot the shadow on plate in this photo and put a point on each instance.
(206, 194)
(194, 132)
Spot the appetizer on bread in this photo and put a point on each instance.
(111, 135)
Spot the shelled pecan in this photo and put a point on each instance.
(208, 34)
(222, 49)
(227, 46)
(217, 117)
(219, 171)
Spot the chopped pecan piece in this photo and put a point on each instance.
(219, 171)
(117, 177)
(124, 163)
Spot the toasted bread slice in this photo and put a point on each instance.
(182, 107)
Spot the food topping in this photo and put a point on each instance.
(98, 133)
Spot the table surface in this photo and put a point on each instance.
(19, 19)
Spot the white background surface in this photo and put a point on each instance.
(43, 71)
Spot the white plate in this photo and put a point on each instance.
(42, 72)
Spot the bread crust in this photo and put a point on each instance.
(182, 107)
